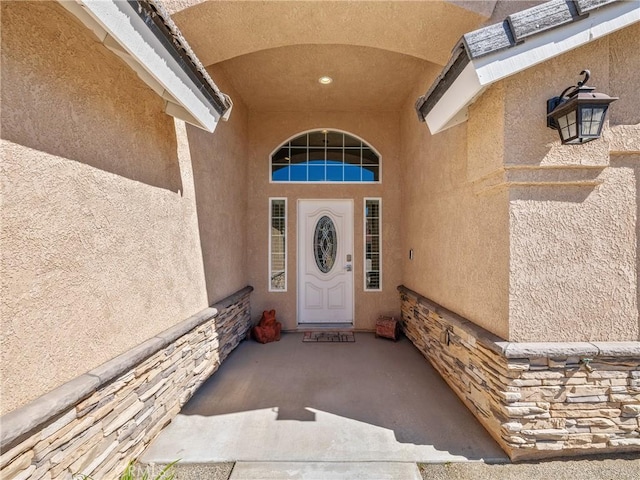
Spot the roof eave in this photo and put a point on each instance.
(456, 94)
(126, 29)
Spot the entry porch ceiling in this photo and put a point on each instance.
(273, 52)
(218, 30)
(286, 78)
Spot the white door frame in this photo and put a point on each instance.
(342, 269)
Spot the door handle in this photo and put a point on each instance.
(348, 267)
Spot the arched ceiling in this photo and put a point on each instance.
(273, 52)
(218, 30)
(286, 78)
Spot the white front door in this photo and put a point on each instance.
(325, 261)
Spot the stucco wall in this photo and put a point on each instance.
(624, 65)
(573, 212)
(532, 240)
(220, 177)
(268, 130)
(100, 245)
(457, 227)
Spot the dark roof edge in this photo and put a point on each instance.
(512, 31)
(450, 72)
(156, 17)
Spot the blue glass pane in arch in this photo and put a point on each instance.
(335, 172)
(370, 173)
(316, 173)
(280, 173)
(352, 173)
(298, 173)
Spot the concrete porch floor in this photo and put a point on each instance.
(369, 401)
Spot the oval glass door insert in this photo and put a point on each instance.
(325, 244)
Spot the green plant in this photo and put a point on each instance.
(134, 473)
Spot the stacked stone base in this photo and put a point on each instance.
(98, 422)
(536, 399)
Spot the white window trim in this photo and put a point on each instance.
(286, 250)
(364, 243)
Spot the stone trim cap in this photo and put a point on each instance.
(528, 349)
(19, 423)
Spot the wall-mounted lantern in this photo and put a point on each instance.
(578, 113)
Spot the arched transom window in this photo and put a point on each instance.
(325, 156)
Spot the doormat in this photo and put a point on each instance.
(329, 337)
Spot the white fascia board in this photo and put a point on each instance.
(547, 45)
(480, 73)
(154, 63)
(451, 109)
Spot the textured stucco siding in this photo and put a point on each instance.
(458, 230)
(100, 244)
(530, 239)
(573, 262)
(624, 65)
(269, 130)
(220, 178)
(574, 235)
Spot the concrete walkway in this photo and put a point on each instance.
(336, 408)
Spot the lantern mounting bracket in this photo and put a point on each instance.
(552, 103)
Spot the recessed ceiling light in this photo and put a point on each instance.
(325, 80)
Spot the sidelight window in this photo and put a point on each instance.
(278, 245)
(372, 244)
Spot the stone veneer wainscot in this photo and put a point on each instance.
(536, 399)
(96, 423)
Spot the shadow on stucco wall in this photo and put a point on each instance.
(219, 162)
(633, 162)
(65, 94)
(551, 193)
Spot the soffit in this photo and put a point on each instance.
(219, 30)
(144, 37)
(286, 78)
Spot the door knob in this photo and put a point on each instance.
(348, 267)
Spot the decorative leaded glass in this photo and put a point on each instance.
(325, 244)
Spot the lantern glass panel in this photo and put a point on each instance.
(592, 118)
(567, 125)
